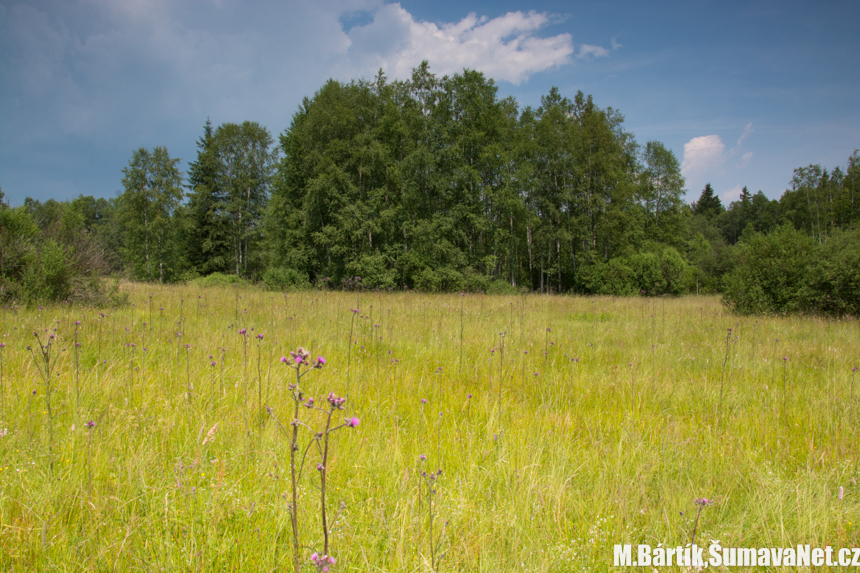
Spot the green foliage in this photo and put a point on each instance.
(657, 272)
(708, 205)
(219, 280)
(58, 262)
(660, 192)
(152, 193)
(836, 275)
(281, 279)
(772, 274)
(424, 183)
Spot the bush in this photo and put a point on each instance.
(615, 277)
(374, 270)
(772, 274)
(673, 269)
(498, 286)
(836, 273)
(648, 273)
(220, 280)
(443, 279)
(281, 279)
(47, 265)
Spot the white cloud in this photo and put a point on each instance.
(745, 159)
(702, 157)
(504, 48)
(586, 50)
(732, 194)
(747, 130)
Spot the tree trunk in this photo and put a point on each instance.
(146, 240)
(531, 258)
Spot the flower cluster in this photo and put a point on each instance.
(703, 501)
(336, 401)
(322, 562)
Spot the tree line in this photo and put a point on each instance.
(437, 184)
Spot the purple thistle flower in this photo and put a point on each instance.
(336, 401)
(90, 424)
(284, 359)
(423, 401)
(352, 422)
(423, 457)
(321, 361)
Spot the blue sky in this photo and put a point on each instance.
(742, 92)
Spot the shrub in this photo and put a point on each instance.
(836, 275)
(281, 279)
(48, 265)
(374, 270)
(220, 280)
(772, 274)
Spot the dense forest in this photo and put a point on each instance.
(436, 184)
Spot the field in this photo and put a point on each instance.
(561, 427)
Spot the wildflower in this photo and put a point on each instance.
(703, 501)
(284, 359)
(259, 337)
(322, 563)
(423, 457)
(90, 424)
(423, 401)
(310, 403)
(243, 331)
(352, 422)
(336, 401)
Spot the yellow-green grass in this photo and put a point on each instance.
(592, 421)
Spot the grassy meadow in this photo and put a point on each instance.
(562, 425)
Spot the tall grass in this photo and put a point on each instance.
(567, 426)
